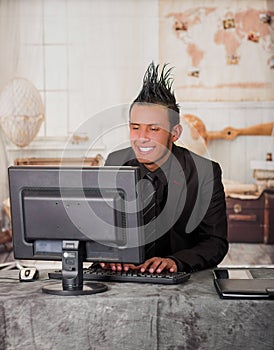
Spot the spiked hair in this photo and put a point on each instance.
(156, 89)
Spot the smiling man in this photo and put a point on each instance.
(151, 134)
(191, 223)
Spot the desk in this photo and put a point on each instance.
(133, 316)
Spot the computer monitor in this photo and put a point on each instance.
(76, 215)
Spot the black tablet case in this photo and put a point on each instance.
(245, 288)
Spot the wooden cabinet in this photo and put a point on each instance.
(269, 216)
(251, 220)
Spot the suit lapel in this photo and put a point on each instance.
(177, 189)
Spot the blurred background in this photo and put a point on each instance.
(70, 68)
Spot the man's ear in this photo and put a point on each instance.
(176, 132)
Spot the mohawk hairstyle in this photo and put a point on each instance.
(156, 89)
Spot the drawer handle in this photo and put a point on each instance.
(237, 208)
(243, 217)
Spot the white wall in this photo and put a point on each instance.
(86, 58)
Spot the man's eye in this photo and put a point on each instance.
(134, 127)
(154, 128)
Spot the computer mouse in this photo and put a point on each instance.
(28, 274)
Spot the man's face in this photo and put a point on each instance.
(150, 134)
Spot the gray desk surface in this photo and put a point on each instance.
(132, 316)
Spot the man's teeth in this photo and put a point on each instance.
(145, 149)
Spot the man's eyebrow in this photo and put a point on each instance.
(152, 124)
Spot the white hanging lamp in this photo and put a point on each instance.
(21, 111)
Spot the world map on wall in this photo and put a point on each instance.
(223, 52)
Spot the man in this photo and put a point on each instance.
(191, 227)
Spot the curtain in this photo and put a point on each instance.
(9, 56)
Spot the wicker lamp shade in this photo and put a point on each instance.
(21, 111)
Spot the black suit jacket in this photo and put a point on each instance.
(194, 218)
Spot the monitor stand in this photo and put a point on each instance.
(72, 273)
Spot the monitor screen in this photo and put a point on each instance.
(76, 215)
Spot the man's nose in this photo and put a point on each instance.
(143, 134)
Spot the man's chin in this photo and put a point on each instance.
(145, 161)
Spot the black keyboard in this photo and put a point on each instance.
(99, 274)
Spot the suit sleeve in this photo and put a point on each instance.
(210, 235)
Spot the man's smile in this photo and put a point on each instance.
(145, 150)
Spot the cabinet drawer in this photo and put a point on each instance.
(246, 227)
(245, 220)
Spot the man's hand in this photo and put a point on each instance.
(118, 267)
(154, 264)
(158, 264)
